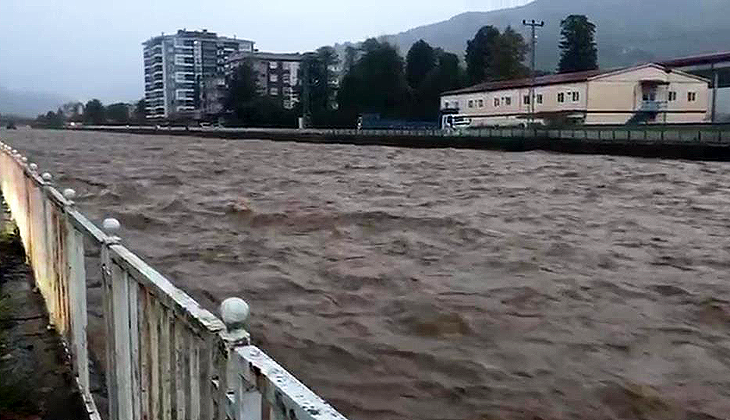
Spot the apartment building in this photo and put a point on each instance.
(277, 74)
(177, 66)
(649, 93)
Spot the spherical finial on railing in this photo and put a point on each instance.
(111, 225)
(24, 159)
(15, 151)
(234, 312)
(69, 194)
(33, 167)
(47, 177)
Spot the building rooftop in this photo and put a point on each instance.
(204, 33)
(698, 59)
(551, 79)
(555, 79)
(266, 56)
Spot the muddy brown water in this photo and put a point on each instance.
(437, 284)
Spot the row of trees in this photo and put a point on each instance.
(94, 113)
(381, 81)
(375, 79)
(378, 79)
(493, 56)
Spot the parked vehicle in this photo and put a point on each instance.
(455, 122)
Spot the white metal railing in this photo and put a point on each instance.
(167, 357)
(607, 135)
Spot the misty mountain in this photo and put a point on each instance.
(28, 104)
(628, 31)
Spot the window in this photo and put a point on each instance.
(561, 97)
(539, 98)
(273, 64)
(691, 96)
(446, 105)
(273, 77)
(507, 100)
(481, 103)
(526, 100)
(576, 96)
(274, 91)
(471, 104)
(672, 96)
(496, 101)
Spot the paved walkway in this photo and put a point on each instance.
(35, 381)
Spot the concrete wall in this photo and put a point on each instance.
(611, 94)
(723, 104)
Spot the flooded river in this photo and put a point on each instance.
(437, 284)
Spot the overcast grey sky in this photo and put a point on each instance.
(92, 48)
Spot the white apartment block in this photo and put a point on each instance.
(176, 67)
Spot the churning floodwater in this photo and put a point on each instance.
(437, 283)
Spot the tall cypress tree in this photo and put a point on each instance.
(578, 51)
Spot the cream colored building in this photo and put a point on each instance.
(649, 94)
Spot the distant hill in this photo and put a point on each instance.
(28, 104)
(628, 31)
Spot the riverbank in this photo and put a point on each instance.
(35, 379)
(708, 143)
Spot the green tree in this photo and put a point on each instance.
(94, 112)
(508, 54)
(479, 54)
(350, 57)
(376, 83)
(578, 51)
(242, 90)
(50, 120)
(118, 113)
(321, 78)
(447, 75)
(420, 61)
(140, 111)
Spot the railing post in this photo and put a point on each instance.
(49, 289)
(116, 317)
(243, 401)
(77, 296)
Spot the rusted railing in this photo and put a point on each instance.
(167, 357)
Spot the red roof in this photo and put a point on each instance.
(552, 79)
(698, 59)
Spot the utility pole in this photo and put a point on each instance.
(533, 24)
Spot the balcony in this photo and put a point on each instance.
(652, 106)
(450, 108)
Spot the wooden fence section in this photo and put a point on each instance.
(167, 357)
